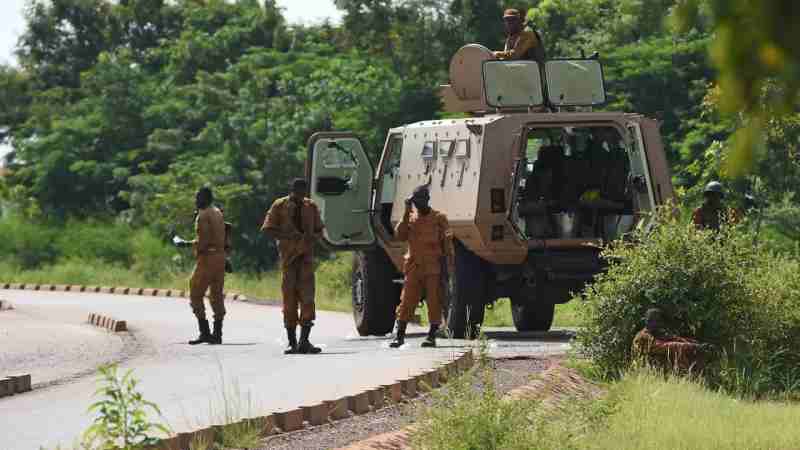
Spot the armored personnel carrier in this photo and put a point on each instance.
(533, 181)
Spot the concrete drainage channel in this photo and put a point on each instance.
(332, 410)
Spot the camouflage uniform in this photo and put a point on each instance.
(669, 352)
(297, 256)
(520, 46)
(209, 273)
(429, 240)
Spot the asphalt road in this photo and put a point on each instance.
(195, 386)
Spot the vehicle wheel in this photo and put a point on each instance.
(466, 297)
(375, 294)
(532, 316)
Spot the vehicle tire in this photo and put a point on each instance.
(375, 295)
(466, 297)
(532, 316)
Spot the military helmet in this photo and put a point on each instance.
(512, 14)
(715, 187)
(423, 192)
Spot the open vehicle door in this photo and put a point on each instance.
(340, 176)
(640, 180)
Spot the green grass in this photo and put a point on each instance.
(641, 411)
(676, 413)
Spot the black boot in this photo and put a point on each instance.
(216, 336)
(205, 333)
(430, 341)
(305, 346)
(291, 334)
(400, 339)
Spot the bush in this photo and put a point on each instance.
(718, 288)
(108, 242)
(152, 257)
(29, 245)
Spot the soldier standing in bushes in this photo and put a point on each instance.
(429, 242)
(209, 273)
(713, 213)
(294, 221)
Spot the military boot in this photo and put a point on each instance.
(291, 335)
(400, 339)
(305, 346)
(205, 333)
(216, 335)
(430, 340)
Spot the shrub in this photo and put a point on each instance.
(109, 242)
(28, 244)
(152, 257)
(719, 288)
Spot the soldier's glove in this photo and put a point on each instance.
(180, 242)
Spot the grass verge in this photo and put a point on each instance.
(643, 410)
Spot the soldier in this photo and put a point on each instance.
(209, 272)
(710, 215)
(429, 249)
(520, 43)
(653, 345)
(294, 221)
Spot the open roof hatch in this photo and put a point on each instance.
(480, 83)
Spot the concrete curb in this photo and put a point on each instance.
(112, 325)
(288, 421)
(117, 290)
(15, 384)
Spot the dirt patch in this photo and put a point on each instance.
(509, 374)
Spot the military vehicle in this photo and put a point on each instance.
(534, 184)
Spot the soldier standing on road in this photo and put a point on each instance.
(429, 245)
(653, 345)
(294, 221)
(521, 44)
(209, 272)
(710, 215)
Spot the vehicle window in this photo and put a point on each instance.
(339, 156)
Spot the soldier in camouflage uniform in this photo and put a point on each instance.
(294, 221)
(653, 345)
(712, 213)
(521, 44)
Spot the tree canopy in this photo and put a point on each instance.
(122, 109)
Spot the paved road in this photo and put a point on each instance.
(191, 383)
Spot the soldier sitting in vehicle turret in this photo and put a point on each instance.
(521, 44)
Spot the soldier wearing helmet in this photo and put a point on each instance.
(710, 215)
(521, 44)
(429, 243)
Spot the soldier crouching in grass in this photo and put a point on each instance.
(294, 221)
(429, 243)
(209, 273)
(655, 347)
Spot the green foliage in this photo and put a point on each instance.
(27, 244)
(718, 288)
(122, 420)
